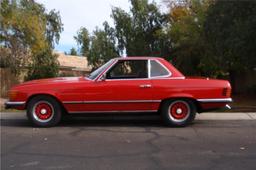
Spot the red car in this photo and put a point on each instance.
(131, 84)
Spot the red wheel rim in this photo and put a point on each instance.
(43, 110)
(179, 110)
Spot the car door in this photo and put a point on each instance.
(160, 79)
(124, 88)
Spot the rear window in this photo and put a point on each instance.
(157, 69)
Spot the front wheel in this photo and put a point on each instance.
(179, 112)
(44, 111)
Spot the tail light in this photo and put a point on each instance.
(226, 92)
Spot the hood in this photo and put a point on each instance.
(53, 81)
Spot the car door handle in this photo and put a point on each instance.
(145, 86)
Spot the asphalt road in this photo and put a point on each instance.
(127, 143)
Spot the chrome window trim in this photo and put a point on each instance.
(104, 71)
(100, 73)
(157, 78)
(15, 103)
(131, 78)
(215, 100)
(149, 69)
(111, 101)
(115, 111)
(127, 79)
(164, 76)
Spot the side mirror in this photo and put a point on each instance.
(103, 77)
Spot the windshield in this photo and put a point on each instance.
(97, 72)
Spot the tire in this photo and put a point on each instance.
(44, 111)
(178, 112)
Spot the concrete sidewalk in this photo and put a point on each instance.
(202, 116)
(226, 116)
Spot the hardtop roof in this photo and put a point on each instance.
(137, 58)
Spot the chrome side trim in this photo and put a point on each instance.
(124, 101)
(73, 102)
(215, 100)
(111, 101)
(15, 103)
(116, 111)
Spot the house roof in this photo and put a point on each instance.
(73, 62)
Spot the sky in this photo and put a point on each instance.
(82, 13)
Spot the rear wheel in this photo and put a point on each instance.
(44, 111)
(179, 112)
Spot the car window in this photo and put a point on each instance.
(157, 69)
(128, 69)
(95, 73)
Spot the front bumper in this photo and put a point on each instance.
(14, 105)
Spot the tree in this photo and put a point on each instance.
(73, 51)
(230, 29)
(28, 31)
(4, 57)
(102, 46)
(189, 46)
(21, 32)
(82, 38)
(44, 65)
(98, 47)
(54, 27)
(141, 32)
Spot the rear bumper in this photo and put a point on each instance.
(213, 104)
(221, 100)
(14, 105)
